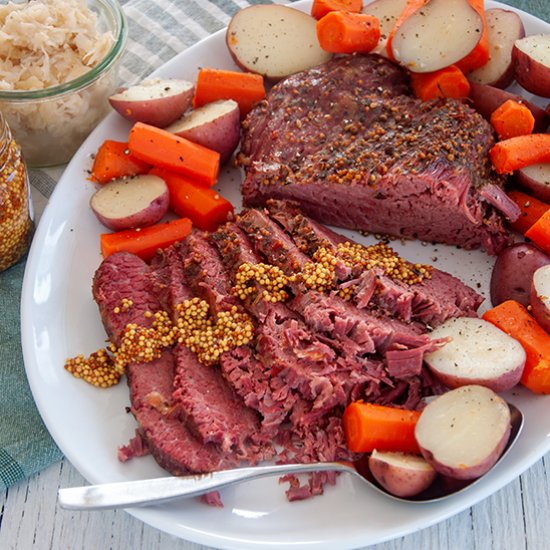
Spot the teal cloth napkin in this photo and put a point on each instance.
(158, 30)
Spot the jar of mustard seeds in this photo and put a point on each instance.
(15, 206)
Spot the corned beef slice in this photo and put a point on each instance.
(212, 409)
(346, 143)
(124, 275)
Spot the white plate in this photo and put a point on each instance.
(60, 320)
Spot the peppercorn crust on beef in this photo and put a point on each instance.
(348, 142)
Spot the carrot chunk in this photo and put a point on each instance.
(114, 160)
(539, 232)
(447, 82)
(166, 150)
(204, 206)
(520, 151)
(145, 242)
(480, 55)
(514, 319)
(320, 8)
(512, 119)
(368, 426)
(244, 88)
(341, 32)
(531, 210)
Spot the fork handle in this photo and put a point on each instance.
(153, 491)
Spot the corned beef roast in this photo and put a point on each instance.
(348, 142)
(296, 323)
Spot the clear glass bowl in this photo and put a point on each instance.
(51, 124)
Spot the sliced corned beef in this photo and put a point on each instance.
(213, 410)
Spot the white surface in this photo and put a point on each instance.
(61, 320)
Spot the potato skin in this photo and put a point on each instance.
(158, 111)
(536, 179)
(462, 433)
(147, 213)
(513, 273)
(400, 480)
(471, 472)
(500, 384)
(531, 74)
(540, 311)
(221, 134)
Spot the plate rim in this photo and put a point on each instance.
(153, 516)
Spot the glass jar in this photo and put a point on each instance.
(15, 205)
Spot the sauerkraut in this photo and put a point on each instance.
(44, 43)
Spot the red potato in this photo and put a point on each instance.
(540, 297)
(387, 12)
(536, 179)
(401, 474)
(486, 99)
(531, 61)
(274, 41)
(215, 125)
(437, 35)
(477, 353)
(513, 273)
(127, 203)
(463, 432)
(504, 27)
(157, 101)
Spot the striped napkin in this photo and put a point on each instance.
(158, 30)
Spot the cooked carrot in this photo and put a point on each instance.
(321, 7)
(520, 151)
(539, 232)
(341, 32)
(114, 160)
(447, 82)
(368, 427)
(512, 119)
(204, 206)
(244, 88)
(515, 320)
(146, 241)
(411, 7)
(480, 54)
(531, 210)
(166, 150)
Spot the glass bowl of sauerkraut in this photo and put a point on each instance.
(58, 65)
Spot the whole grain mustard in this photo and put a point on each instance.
(15, 212)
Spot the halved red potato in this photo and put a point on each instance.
(401, 474)
(463, 432)
(156, 101)
(477, 353)
(215, 125)
(540, 297)
(486, 99)
(513, 273)
(535, 178)
(387, 12)
(127, 203)
(504, 27)
(274, 41)
(531, 60)
(437, 35)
